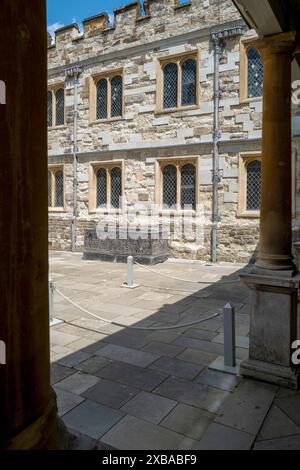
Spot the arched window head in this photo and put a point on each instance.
(253, 185)
(169, 187)
(49, 189)
(255, 73)
(188, 187)
(101, 188)
(102, 99)
(116, 96)
(50, 109)
(60, 107)
(189, 77)
(59, 189)
(116, 187)
(170, 74)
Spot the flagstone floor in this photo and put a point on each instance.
(128, 389)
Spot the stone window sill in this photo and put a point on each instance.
(250, 100)
(57, 127)
(106, 211)
(249, 215)
(179, 109)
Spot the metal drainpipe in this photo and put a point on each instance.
(216, 136)
(74, 73)
(218, 41)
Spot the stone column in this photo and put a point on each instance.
(273, 283)
(28, 413)
(276, 204)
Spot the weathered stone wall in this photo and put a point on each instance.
(142, 135)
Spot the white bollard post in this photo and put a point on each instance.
(130, 271)
(51, 293)
(229, 336)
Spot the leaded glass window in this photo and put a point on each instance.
(60, 107)
(255, 74)
(101, 188)
(49, 189)
(102, 99)
(116, 96)
(59, 189)
(169, 187)
(116, 187)
(253, 185)
(50, 109)
(188, 187)
(189, 74)
(170, 86)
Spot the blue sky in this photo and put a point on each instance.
(63, 12)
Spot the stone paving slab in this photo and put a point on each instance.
(128, 355)
(219, 437)
(66, 401)
(277, 424)
(144, 379)
(92, 365)
(197, 357)
(290, 406)
(78, 383)
(92, 419)
(176, 367)
(284, 443)
(188, 420)
(109, 393)
(247, 408)
(240, 341)
(216, 379)
(169, 350)
(149, 407)
(200, 396)
(59, 373)
(135, 434)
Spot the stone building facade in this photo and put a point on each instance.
(131, 112)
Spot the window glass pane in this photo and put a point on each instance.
(102, 99)
(50, 113)
(188, 187)
(170, 86)
(255, 74)
(169, 187)
(253, 185)
(59, 189)
(116, 187)
(189, 82)
(49, 189)
(116, 96)
(101, 188)
(60, 107)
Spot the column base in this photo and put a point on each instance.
(279, 375)
(48, 432)
(273, 328)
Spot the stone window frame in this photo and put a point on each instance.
(53, 89)
(178, 162)
(244, 160)
(177, 59)
(94, 79)
(245, 45)
(108, 165)
(54, 169)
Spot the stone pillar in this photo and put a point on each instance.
(28, 413)
(275, 250)
(273, 283)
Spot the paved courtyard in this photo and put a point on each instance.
(126, 389)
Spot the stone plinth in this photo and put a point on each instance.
(146, 247)
(273, 329)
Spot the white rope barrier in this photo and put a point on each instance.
(109, 322)
(185, 280)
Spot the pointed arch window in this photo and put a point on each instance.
(169, 187)
(56, 188)
(180, 82)
(60, 107)
(179, 184)
(56, 106)
(255, 73)
(253, 185)
(107, 93)
(107, 186)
